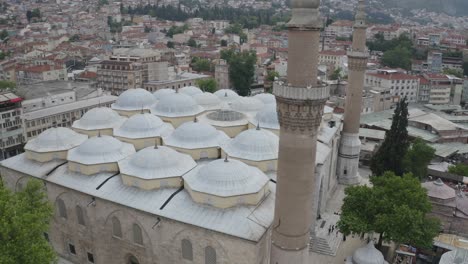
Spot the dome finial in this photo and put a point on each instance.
(225, 94)
(99, 133)
(226, 158)
(258, 125)
(142, 109)
(156, 144)
(195, 120)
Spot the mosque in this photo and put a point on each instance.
(188, 176)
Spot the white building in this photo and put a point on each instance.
(400, 84)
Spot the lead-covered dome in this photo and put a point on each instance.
(248, 105)
(99, 118)
(254, 145)
(55, 139)
(368, 255)
(143, 126)
(190, 90)
(226, 95)
(151, 165)
(267, 117)
(266, 98)
(208, 101)
(195, 135)
(226, 183)
(134, 100)
(161, 92)
(439, 190)
(100, 150)
(176, 105)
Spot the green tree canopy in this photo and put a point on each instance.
(241, 69)
(208, 85)
(336, 74)
(7, 85)
(454, 72)
(395, 207)
(390, 155)
(24, 218)
(202, 65)
(400, 57)
(459, 169)
(192, 43)
(170, 44)
(272, 75)
(418, 156)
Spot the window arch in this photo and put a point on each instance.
(137, 237)
(79, 215)
(116, 228)
(187, 252)
(61, 208)
(210, 255)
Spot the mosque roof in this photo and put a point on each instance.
(247, 105)
(368, 255)
(226, 178)
(224, 117)
(190, 90)
(266, 98)
(143, 126)
(99, 118)
(457, 256)
(226, 95)
(134, 99)
(267, 117)
(100, 150)
(176, 105)
(438, 189)
(156, 163)
(208, 101)
(161, 92)
(195, 135)
(55, 139)
(253, 144)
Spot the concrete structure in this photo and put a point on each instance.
(300, 106)
(350, 145)
(222, 75)
(11, 125)
(118, 76)
(400, 84)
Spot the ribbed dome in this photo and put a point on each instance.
(225, 115)
(439, 190)
(226, 178)
(143, 126)
(176, 105)
(208, 101)
(100, 150)
(195, 135)
(190, 90)
(55, 139)
(161, 92)
(134, 99)
(368, 255)
(226, 95)
(247, 104)
(266, 98)
(99, 118)
(267, 117)
(156, 163)
(253, 144)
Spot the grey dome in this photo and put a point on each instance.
(247, 105)
(226, 95)
(208, 101)
(55, 139)
(439, 190)
(195, 135)
(190, 90)
(176, 105)
(253, 144)
(161, 92)
(134, 99)
(226, 178)
(143, 126)
(267, 117)
(368, 255)
(156, 163)
(266, 98)
(99, 118)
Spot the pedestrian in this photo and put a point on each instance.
(329, 230)
(333, 228)
(344, 237)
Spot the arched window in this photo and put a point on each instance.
(79, 215)
(187, 252)
(116, 229)
(132, 260)
(61, 208)
(210, 255)
(137, 237)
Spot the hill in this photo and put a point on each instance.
(451, 7)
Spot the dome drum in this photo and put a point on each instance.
(177, 121)
(129, 113)
(100, 120)
(95, 133)
(141, 143)
(46, 157)
(152, 184)
(264, 165)
(93, 169)
(201, 153)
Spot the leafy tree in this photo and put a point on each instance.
(454, 72)
(35, 13)
(271, 75)
(7, 85)
(147, 29)
(390, 155)
(418, 156)
(24, 218)
(202, 65)
(336, 74)
(208, 85)
(4, 34)
(459, 169)
(192, 43)
(395, 207)
(224, 43)
(75, 38)
(176, 30)
(170, 44)
(400, 57)
(241, 69)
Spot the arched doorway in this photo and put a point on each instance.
(132, 260)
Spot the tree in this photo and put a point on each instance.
(241, 69)
(459, 169)
(272, 75)
(224, 43)
(75, 38)
(192, 43)
(390, 155)
(454, 72)
(336, 74)
(400, 57)
(24, 218)
(202, 65)
(147, 29)
(395, 207)
(208, 85)
(4, 34)
(418, 156)
(170, 44)
(7, 85)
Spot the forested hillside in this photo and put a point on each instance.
(451, 7)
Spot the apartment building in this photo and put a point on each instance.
(335, 58)
(11, 128)
(444, 89)
(400, 84)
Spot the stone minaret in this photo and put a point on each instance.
(300, 103)
(350, 145)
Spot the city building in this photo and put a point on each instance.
(399, 83)
(222, 75)
(12, 137)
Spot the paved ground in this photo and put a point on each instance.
(347, 247)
